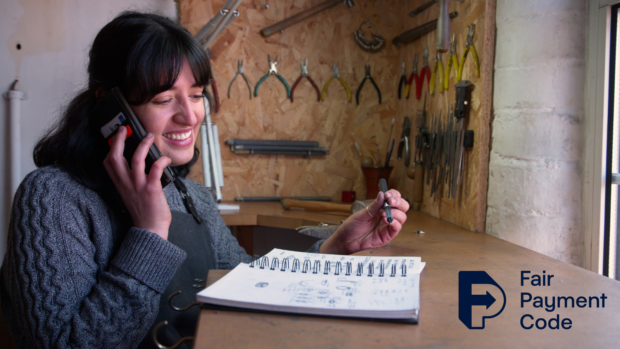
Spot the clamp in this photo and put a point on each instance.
(304, 74)
(337, 76)
(413, 76)
(404, 142)
(273, 70)
(469, 46)
(438, 70)
(403, 81)
(240, 72)
(367, 77)
(453, 60)
(426, 72)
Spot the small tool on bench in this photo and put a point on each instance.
(321, 206)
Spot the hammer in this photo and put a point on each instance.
(322, 206)
(302, 15)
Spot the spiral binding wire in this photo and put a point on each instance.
(295, 265)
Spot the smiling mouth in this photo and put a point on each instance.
(178, 136)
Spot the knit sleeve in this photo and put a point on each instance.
(61, 286)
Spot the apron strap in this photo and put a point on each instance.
(187, 199)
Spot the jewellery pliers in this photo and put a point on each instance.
(304, 74)
(453, 61)
(273, 70)
(240, 72)
(412, 77)
(438, 70)
(337, 76)
(404, 141)
(403, 81)
(469, 46)
(426, 72)
(216, 95)
(367, 77)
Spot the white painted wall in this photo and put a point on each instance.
(534, 196)
(55, 36)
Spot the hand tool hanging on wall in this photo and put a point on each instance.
(403, 144)
(367, 77)
(453, 61)
(413, 77)
(216, 95)
(421, 8)
(426, 72)
(336, 75)
(373, 45)
(304, 74)
(469, 46)
(260, 146)
(403, 80)
(273, 70)
(437, 71)
(302, 15)
(419, 31)
(218, 23)
(240, 72)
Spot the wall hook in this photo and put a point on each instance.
(177, 308)
(161, 346)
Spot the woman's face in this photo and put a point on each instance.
(174, 117)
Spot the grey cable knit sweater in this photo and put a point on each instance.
(61, 283)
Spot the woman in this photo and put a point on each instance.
(95, 247)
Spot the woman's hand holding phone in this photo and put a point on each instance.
(142, 194)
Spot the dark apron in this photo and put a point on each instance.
(195, 240)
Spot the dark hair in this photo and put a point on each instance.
(143, 55)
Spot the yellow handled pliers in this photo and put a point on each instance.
(469, 46)
(337, 76)
(438, 70)
(453, 60)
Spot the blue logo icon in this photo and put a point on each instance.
(481, 299)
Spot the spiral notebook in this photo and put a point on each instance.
(318, 284)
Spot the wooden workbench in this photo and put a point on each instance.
(447, 249)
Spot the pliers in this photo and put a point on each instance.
(403, 81)
(216, 95)
(426, 72)
(469, 46)
(337, 76)
(304, 74)
(367, 77)
(453, 60)
(412, 77)
(404, 141)
(438, 70)
(240, 72)
(273, 70)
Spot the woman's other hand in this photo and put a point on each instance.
(142, 194)
(368, 228)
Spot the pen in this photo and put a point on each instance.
(386, 206)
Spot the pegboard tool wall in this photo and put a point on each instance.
(336, 123)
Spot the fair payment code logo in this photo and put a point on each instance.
(478, 294)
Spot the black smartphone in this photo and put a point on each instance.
(112, 112)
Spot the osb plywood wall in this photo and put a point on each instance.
(336, 123)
